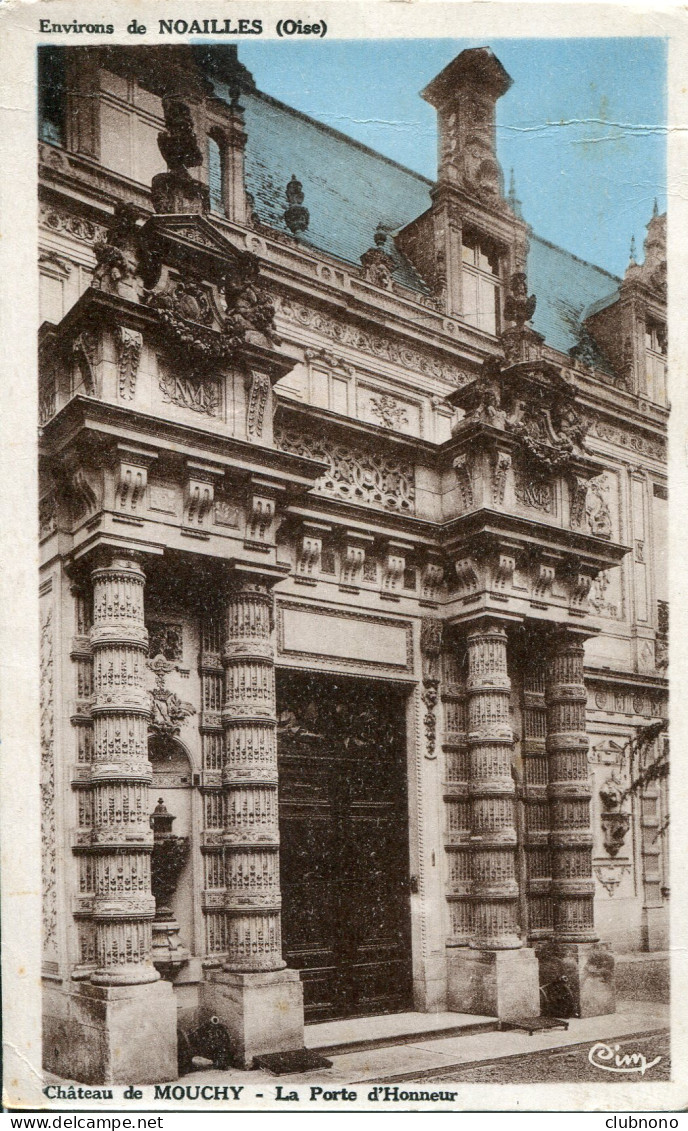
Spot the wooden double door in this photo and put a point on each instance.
(344, 844)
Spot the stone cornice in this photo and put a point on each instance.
(84, 417)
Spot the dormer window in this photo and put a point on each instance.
(480, 282)
(51, 95)
(217, 176)
(655, 361)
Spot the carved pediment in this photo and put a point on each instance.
(180, 236)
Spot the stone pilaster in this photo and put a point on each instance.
(126, 1030)
(497, 976)
(257, 998)
(576, 974)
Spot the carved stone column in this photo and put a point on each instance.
(499, 977)
(250, 780)
(576, 974)
(125, 987)
(259, 1000)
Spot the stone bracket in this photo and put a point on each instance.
(131, 470)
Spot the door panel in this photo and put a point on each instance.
(344, 844)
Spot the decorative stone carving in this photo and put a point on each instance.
(168, 712)
(176, 190)
(353, 559)
(615, 823)
(597, 598)
(371, 479)
(309, 555)
(168, 858)
(296, 216)
(260, 520)
(118, 255)
(519, 306)
(251, 833)
(258, 390)
(463, 475)
(128, 345)
(85, 349)
(431, 580)
(57, 220)
(494, 889)
(426, 362)
(534, 492)
(430, 646)
(503, 571)
(192, 389)
(132, 480)
(199, 495)
(378, 266)
(652, 446)
(544, 579)
(390, 413)
(205, 337)
(466, 576)
(120, 775)
(502, 465)
(165, 640)
(393, 568)
(597, 512)
(569, 791)
(611, 875)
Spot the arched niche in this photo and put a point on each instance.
(172, 781)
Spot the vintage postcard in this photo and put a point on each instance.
(343, 509)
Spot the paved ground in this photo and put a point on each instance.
(565, 1065)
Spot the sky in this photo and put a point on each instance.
(583, 125)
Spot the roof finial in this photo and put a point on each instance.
(296, 217)
(631, 259)
(655, 209)
(514, 202)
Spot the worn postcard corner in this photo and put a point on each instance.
(344, 495)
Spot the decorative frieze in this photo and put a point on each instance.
(372, 479)
(386, 348)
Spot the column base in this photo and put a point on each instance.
(576, 979)
(495, 983)
(263, 1012)
(115, 1035)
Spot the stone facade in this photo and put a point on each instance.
(264, 464)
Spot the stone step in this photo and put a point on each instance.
(357, 1034)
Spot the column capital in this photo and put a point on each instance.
(240, 573)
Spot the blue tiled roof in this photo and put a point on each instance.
(566, 289)
(349, 189)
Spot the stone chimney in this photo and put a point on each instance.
(469, 210)
(465, 95)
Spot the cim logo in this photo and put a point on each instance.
(611, 1059)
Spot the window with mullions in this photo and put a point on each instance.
(655, 361)
(216, 176)
(480, 283)
(51, 95)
